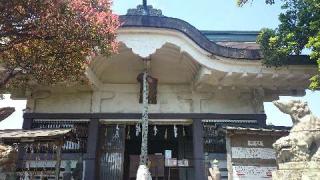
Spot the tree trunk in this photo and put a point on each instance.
(7, 76)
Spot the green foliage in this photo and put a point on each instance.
(49, 41)
(243, 2)
(272, 48)
(314, 45)
(299, 29)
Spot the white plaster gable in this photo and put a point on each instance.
(146, 42)
(142, 45)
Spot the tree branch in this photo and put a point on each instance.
(8, 75)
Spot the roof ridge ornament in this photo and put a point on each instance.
(145, 10)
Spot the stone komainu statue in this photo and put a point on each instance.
(303, 142)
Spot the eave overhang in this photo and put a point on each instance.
(190, 31)
(200, 38)
(172, 43)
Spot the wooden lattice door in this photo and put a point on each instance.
(112, 144)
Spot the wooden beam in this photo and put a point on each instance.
(201, 76)
(289, 77)
(304, 77)
(138, 116)
(216, 76)
(244, 75)
(225, 77)
(259, 76)
(230, 78)
(275, 76)
(64, 156)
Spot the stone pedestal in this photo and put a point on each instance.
(297, 171)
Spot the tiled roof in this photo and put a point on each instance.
(231, 36)
(240, 45)
(199, 37)
(230, 44)
(5, 112)
(265, 130)
(20, 135)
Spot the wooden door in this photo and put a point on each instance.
(112, 152)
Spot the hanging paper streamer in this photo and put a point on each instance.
(155, 130)
(183, 132)
(128, 133)
(175, 130)
(16, 147)
(46, 157)
(106, 132)
(116, 135)
(138, 129)
(166, 134)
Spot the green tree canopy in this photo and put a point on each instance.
(49, 41)
(243, 2)
(299, 29)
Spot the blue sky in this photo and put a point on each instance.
(213, 14)
(204, 15)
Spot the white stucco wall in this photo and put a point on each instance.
(63, 103)
(123, 98)
(228, 101)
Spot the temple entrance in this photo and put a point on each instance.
(169, 147)
(111, 152)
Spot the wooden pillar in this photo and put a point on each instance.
(229, 156)
(198, 151)
(58, 163)
(27, 123)
(91, 155)
(262, 121)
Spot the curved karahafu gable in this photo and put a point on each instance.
(190, 31)
(228, 49)
(166, 40)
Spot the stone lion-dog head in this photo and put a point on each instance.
(295, 108)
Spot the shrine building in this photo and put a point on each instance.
(206, 95)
